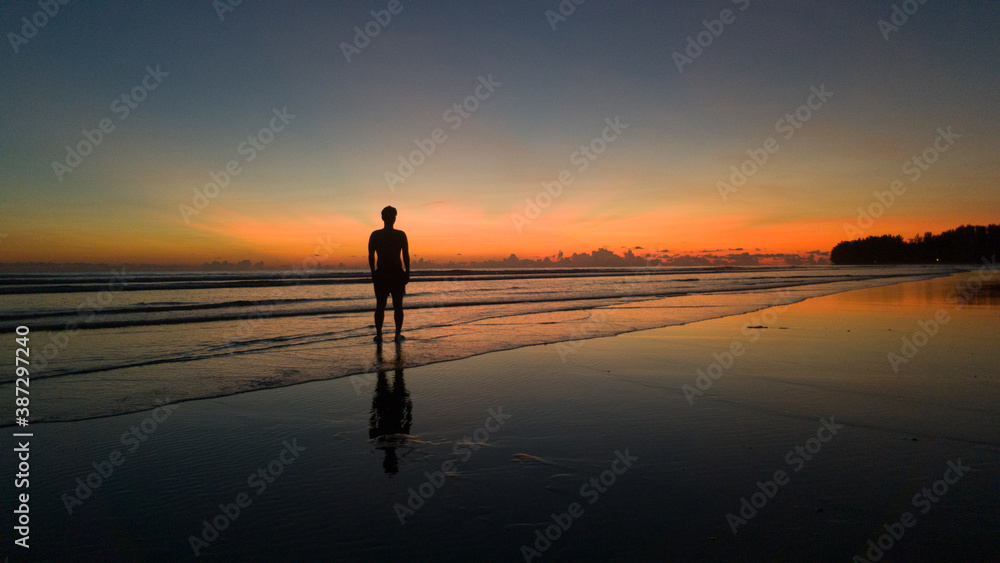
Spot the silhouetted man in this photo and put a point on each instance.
(389, 274)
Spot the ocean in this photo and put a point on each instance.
(117, 342)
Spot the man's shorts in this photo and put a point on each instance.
(389, 282)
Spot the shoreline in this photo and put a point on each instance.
(603, 320)
(493, 484)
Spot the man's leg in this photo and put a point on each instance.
(380, 300)
(397, 311)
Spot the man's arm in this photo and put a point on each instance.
(406, 257)
(371, 253)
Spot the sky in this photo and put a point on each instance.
(276, 131)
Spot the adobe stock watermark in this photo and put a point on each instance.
(103, 470)
(580, 332)
(247, 325)
(727, 358)
(456, 116)
(250, 148)
(364, 34)
(927, 329)
(913, 168)
(796, 459)
(430, 316)
(447, 292)
(566, 9)
(582, 158)
(899, 15)
(591, 491)
(787, 127)
(697, 43)
(122, 106)
(464, 448)
(86, 310)
(967, 290)
(924, 499)
(629, 286)
(259, 480)
(30, 26)
(224, 7)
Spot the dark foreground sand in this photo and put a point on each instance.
(808, 443)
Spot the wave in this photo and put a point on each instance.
(15, 284)
(122, 317)
(94, 372)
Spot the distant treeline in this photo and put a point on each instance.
(964, 245)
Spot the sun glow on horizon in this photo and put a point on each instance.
(485, 190)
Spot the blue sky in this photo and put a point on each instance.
(324, 174)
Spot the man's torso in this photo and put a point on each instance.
(388, 245)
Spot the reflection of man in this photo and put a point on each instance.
(389, 274)
(391, 417)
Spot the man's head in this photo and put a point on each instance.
(389, 215)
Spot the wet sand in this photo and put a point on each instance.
(805, 437)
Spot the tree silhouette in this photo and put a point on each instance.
(964, 245)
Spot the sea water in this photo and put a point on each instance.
(116, 342)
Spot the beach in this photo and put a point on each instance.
(809, 431)
(120, 342)
(558, 281)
